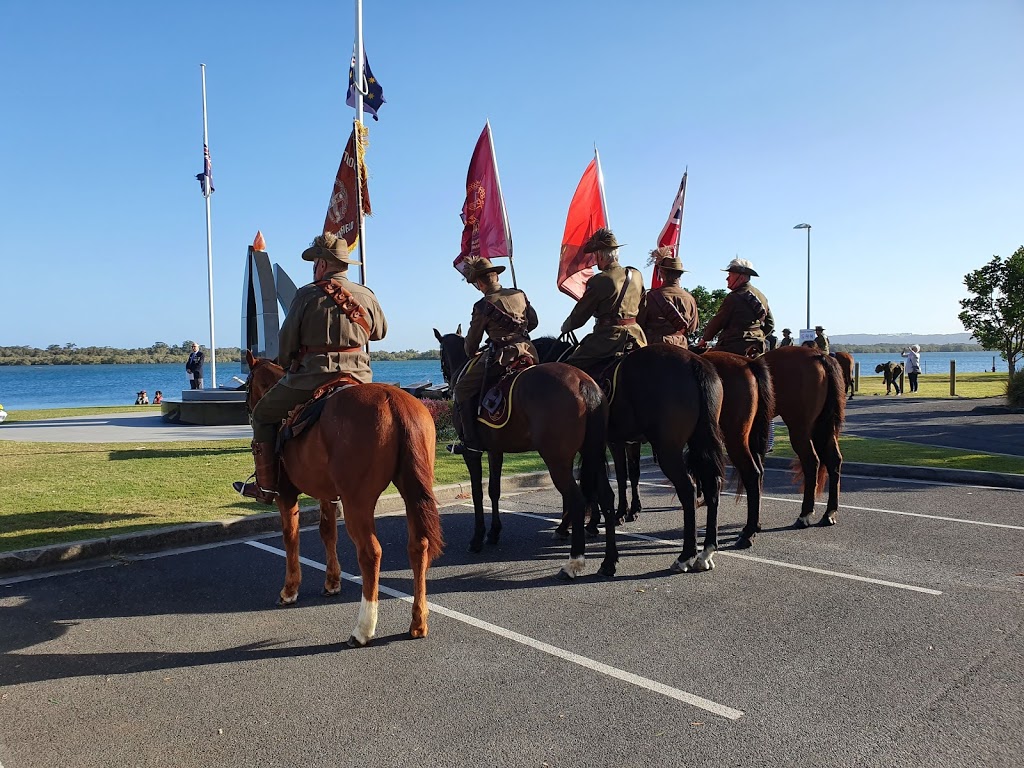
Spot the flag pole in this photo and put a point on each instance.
(504, 212)
(209, 237)
(360, 89)
(600, 185)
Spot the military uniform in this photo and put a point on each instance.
(741, 322)
(668, 314)
(787, 341)
(821, 340)
(616, 326)
(506, 317)
(318, 342)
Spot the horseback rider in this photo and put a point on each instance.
(612, 298)
(506, 317)
(744, 319)
(787, 338)
(668, 314)
(820, 339)
(323, 336)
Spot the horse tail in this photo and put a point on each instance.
(707, 454)
(830, 421)
(761, 429)
(414, 475)
(593, 460)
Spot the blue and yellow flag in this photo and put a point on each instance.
(374, 95)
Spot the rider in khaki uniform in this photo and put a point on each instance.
(820, 339)
(787, 338)
(744, 318)
(506, 317)
(669, 313)
(613, 299)
(319, 341)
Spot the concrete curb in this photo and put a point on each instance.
(128, 544)
(193, 534)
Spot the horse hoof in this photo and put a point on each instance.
(607, 569)
(802, 522)
(592, 532)
(353, 642)
(330, 592)
(829, 518)
(563, 575)
(284, 602)
(475, 547)
(418, 633)
(561, 534)
(683, 566)
(744, 542)
(705, 562)
(493, 540)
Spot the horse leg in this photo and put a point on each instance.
(633, 465)
(752, 478)
(419, 562)
(494, 462)
(289, 509)
(575, 508)
(621, 473)
(833, 460)
(329, 536)
(361, 529)
(712, 485)
(804, 449)
(675, 470)
(474, 463)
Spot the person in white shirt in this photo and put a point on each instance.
(913, 356)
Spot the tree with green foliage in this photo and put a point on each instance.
(995, 313)
(708, 303)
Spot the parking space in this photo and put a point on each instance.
(893, 638)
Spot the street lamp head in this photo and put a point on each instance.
(802, 226)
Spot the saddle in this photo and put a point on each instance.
(496, 404)
(303, 416)
(606, 374)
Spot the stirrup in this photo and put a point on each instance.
(460, 449)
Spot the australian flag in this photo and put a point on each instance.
(205, 178)
(374, 95)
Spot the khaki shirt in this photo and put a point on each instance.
(787, 341)
(598, 301)
(821, 342)
(661, 323)
(314, 320)
(738, 320)
(509, 343)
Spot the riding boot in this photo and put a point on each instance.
(466, 416)
(264, 489)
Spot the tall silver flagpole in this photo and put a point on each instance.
(360, 88)
(209, 236)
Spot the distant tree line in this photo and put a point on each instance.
(886, 349)
(159, 352)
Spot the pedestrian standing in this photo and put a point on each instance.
(194, 367)
(913, 365)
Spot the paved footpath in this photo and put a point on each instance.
(117, 428)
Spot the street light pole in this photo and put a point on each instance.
(808, 228)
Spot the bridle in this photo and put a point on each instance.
(260, 361)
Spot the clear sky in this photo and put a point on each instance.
(892, 127)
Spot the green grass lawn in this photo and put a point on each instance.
(968, 385)
(96, 410)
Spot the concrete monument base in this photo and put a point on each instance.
(208, 407)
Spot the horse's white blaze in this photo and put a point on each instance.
(366, 624)
(574, 567)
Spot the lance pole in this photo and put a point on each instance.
(207, 191)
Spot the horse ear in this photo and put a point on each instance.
(458, 331)
(249, 359)
(438, 336)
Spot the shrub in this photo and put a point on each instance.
(1015, 390)
(441, 412)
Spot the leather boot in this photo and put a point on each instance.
(264, 489)
(466, 415)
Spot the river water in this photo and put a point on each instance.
(24, 387)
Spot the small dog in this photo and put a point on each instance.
(142, 399)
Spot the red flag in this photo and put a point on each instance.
(342, 217)
(670, 232)
(485, 232)
(586, 215)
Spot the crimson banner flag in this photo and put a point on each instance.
(342, 213)
(485, 231)
(586, 215)
(670, 232)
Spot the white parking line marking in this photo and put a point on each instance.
(627, 677)
(763, 560)
(869, 509)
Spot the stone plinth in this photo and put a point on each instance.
(209, 407)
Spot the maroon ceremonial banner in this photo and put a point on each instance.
(342, 214)
(485, 231)
(586, 215)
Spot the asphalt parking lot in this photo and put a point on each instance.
(893, 639)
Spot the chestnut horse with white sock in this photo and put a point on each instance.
(367, 436)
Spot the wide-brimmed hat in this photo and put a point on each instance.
(602, 240)
(786, 330)
(474, 268)
(665, 258)
(742, 267)
(328, 247)
(819, 328)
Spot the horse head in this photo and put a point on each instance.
(551, 350)
(263, 374)
(453, 352)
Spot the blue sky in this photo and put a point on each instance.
(893, 128)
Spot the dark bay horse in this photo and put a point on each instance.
(558, 411)
(845, 360)
(672, 398)
(810, 398)
(368, 436)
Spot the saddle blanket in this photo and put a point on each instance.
(496, 404)
(308, 413)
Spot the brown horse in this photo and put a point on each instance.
(810, 398)
(672, 398)
(845, 360)
(367, 436)
(558, 411)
